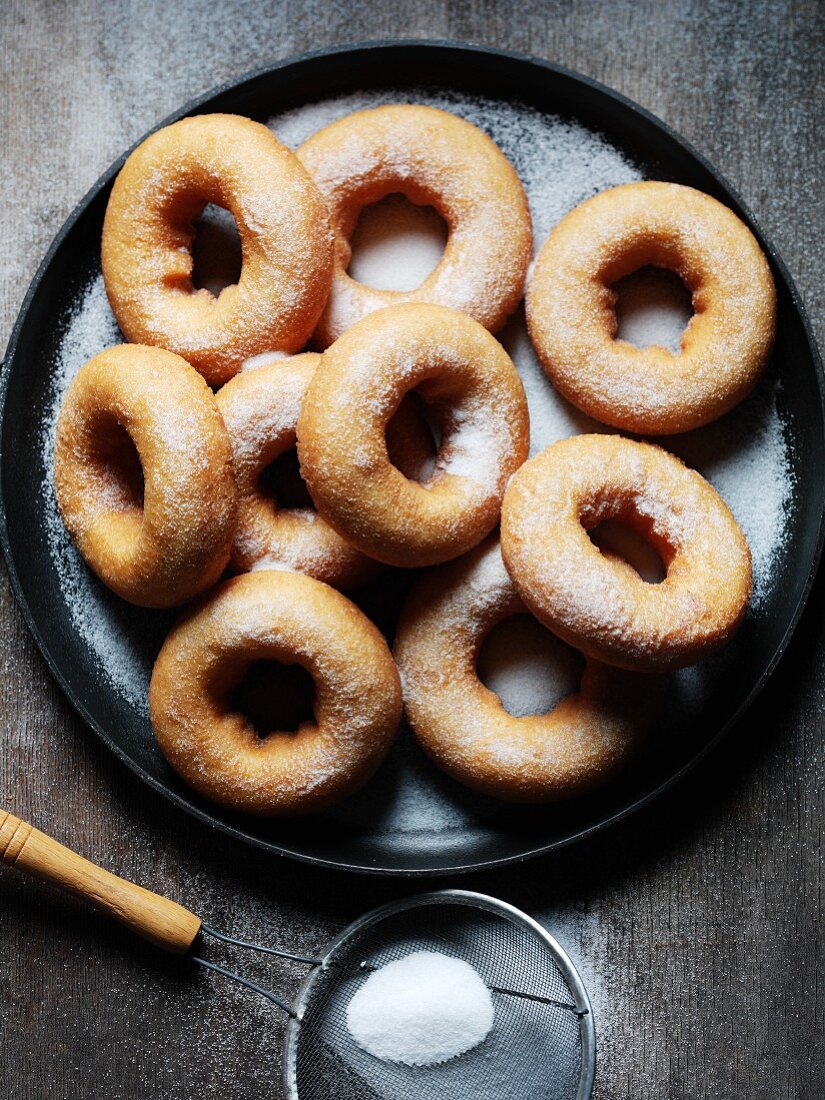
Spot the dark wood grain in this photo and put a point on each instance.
(698, 924)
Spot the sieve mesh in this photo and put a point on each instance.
(534, 1052)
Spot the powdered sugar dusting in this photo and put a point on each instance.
(264, 359)
(268, 563)
(745, 455)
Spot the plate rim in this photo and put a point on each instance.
(285, 850)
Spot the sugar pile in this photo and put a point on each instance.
(421, 1010)
(745, 455)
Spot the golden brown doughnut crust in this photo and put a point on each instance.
(148, 231)
(463, 726)
(589, 600)
(292, 619)
(459, 368)
(157, 532)
(571, 308)
(260, 408)
(435, 159)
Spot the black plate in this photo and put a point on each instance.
(492, 833)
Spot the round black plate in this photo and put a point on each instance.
(490, 833)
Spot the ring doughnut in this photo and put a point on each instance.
(460, 369)
(463, 726)
(260, 408)
(149, 228)
(292, 619)
(434, 159)
(579, 593)
(143, 475)
(570, 308)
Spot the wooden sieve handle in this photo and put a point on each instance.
(162, 922)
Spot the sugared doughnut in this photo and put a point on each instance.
(589, 600)
(260, 408)
(292, 619)
(457, 367)
(463, 725)
(434, 159)
(570, 308)
(149, 228)
(143, 475)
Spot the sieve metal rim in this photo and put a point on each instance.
(471, 899)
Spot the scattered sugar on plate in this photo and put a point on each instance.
(421, 1010)
(745, 455)
(105, 623)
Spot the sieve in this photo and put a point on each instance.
(542, 1044)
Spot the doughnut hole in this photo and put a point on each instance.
(396, 244)
(281, 481)
(620, 529)
(528, 667)
(653, 306)
(417, 460)
(275, 697)
(115, 465)
(441, 418)
(217, 256)
(625, 540)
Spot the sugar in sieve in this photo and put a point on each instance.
(541, 1046)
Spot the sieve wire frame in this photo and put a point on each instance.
(473, 900)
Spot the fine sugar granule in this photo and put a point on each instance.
(421, 1010)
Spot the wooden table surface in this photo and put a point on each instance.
(697, 924)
